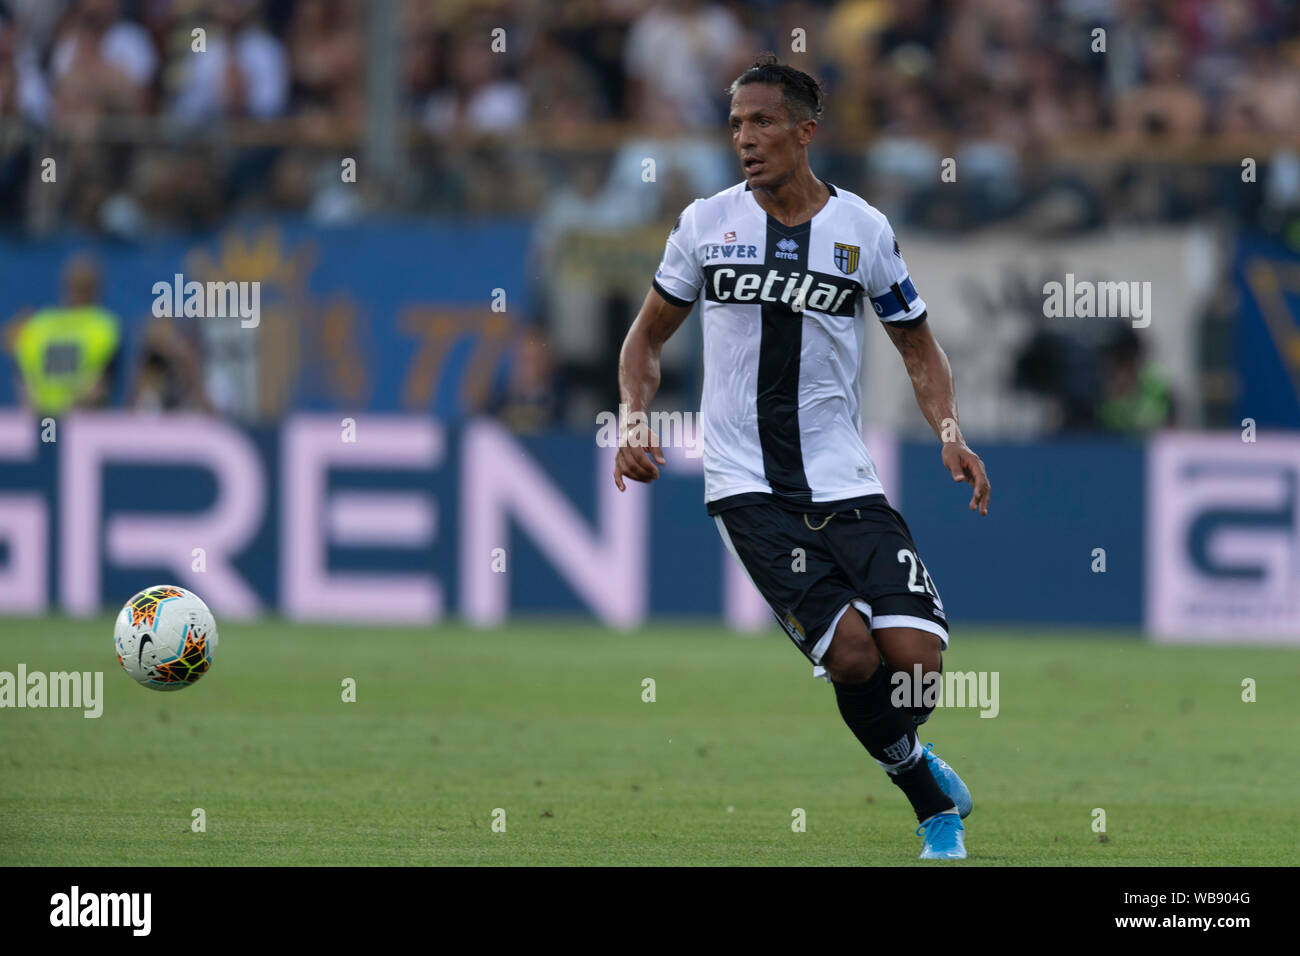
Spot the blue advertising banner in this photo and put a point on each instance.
(1267, 277)
(384, 317)
(404, 518)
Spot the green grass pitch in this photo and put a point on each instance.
(545, 720)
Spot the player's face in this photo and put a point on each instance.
(766, 137)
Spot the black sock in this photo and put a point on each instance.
(888, 735)
(922, 713)
(922, 790)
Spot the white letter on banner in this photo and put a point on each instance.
(24, 526)
(312, 519)
(158, 539)
(500, 481)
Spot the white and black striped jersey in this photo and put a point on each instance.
(783, 320)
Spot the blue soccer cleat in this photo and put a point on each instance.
(945, 837)
(949, 782)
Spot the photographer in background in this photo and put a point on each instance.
(169, 375)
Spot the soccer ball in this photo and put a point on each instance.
(165, 637)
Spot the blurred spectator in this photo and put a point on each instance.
(479, 97)
(705, 164)
(680, 56)
(1136, 394)
(1165, 105)
(24, 94)
(23, 102)
(169, 374)
(578, 202)
(37, 19)
(1264, 99)
(102, 63)
(326, 41)
(243, 73)
(532, 399)
(69, 356)
(166, 191)
(562, 90)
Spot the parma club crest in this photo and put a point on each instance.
(846, 258)
(793, 627)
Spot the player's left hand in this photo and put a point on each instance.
(965, 465)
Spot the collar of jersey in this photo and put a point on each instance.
(778, 225)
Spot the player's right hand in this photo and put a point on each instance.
(633, 458)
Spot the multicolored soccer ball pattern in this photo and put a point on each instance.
(165, 637)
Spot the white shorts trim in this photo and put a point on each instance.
(906, 620)
(885, 620)
(824, 642)
(822, 645)
(726, 539)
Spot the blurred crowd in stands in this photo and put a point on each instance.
(1061, 116)
(1013, 90)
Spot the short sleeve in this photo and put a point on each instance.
(890, 290)
(679, 276)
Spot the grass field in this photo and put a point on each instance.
(546, 722)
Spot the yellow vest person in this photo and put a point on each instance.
(64, 353)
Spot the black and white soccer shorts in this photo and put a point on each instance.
(811, 568)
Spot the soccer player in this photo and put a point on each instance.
(786, 265)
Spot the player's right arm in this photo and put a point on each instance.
(672, 295)
(638, 381)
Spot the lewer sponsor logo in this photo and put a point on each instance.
(798, 291)
(730, 252)
(787, 249)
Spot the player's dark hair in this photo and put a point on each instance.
(801, 93)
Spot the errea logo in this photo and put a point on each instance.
(787, 248)
(102, 909)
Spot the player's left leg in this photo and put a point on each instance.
(910, 629)
(906, 648)
(864, 694)
(862, 682)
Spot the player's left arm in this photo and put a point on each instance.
(936, 394)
